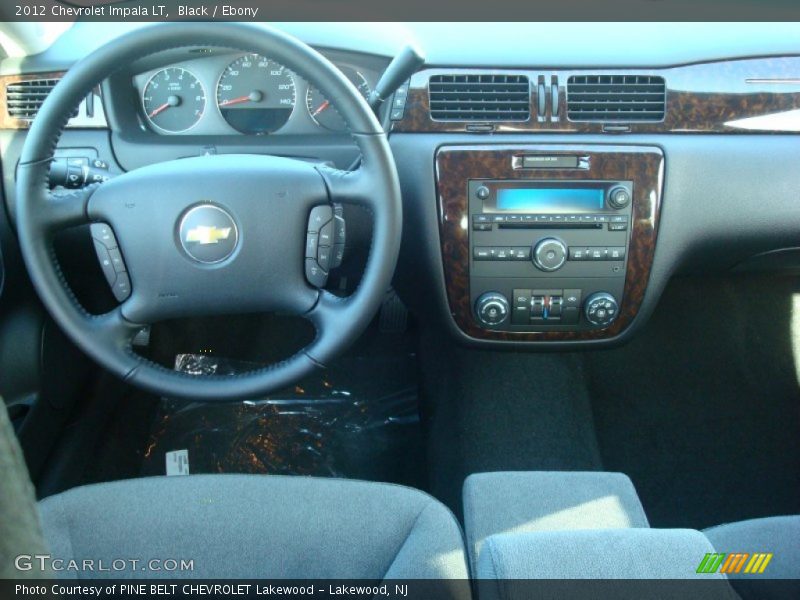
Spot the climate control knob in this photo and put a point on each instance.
(601, 309)
(492, 308)
(549, 254)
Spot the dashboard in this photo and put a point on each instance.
(240, 94)
(702, 135)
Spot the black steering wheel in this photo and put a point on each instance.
(261, 205)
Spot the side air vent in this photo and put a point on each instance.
(25, 98)
(616, 98)
(479, 97)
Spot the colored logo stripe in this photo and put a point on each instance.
(734, 562)
(758, 563)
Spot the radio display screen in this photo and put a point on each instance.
(550, 200)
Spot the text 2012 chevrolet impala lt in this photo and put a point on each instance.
(419, 310)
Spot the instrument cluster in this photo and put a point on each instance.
(244, 94)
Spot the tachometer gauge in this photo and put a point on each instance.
(173, 100)
(323, 112)
(256, 95)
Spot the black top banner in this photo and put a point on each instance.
(405, 10)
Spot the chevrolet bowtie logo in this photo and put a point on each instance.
(207, 235)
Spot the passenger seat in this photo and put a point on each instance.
(523, 526)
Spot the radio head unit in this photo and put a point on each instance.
(548, 254)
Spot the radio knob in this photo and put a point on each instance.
(492, 308)
(619, 197)
(549, 254)
(601, 309)
(482, 192)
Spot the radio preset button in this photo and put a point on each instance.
(481, 226)
(482, 218)
(617, 226)
(598, 253)
(578, 253)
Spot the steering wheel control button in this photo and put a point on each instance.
(103, 234)
(312, 242)
(549, 254)
(326, 234)
(315, 274)
(324, 257)
(122, 287)
(208, 234)
(338, 256)
(492, 308)
(111, 262)
(116, 260)
(601, 309)
(325, 240)
(320, 215)
(105, 262)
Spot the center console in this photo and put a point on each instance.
(550, 241)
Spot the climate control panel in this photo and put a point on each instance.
(551, 307)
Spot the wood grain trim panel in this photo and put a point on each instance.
(6, 121)
(455, 165)
(736, 96)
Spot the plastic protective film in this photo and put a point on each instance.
(357, 420)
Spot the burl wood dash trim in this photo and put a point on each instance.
(455, 165)
(7, 121)
(753, 95)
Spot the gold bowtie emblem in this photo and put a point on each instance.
(207, 235)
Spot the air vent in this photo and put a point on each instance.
(615, 98)
(25, 98)
(479, 97)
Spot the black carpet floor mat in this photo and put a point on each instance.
(357, 419)
(702, 408)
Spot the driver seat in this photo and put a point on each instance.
(255, 526)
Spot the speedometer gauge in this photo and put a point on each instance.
(323, 112)
(256, 95)
(173, 100)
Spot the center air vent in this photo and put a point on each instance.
(25, 98)
(615, 98)
(479, 97)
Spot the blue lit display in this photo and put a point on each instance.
(550, 200)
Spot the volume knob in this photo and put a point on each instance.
(619, 197)
(549, 254)
(492, 308)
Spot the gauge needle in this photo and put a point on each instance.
(320, 108)
(160, 109)
(254, 96)
(238, 100)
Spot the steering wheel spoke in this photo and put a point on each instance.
(60, 210)
(114, 328)
(349, 187)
